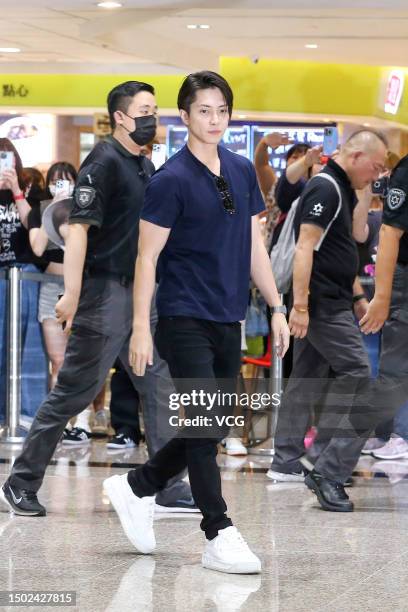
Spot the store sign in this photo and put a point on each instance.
(101, 124)
(395, 86)
(10, 90)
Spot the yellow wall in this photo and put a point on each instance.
(77, 90)
(270, 85)
(302, 87)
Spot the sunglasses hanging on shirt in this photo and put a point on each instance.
(224, 191)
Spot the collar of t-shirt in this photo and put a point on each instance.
(119, 147)
(201, 164)
(342, 179)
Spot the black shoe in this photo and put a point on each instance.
(187, 506)
(21, 501)
(121, 441)
(349, 482)
(76, 436)
(331, 494)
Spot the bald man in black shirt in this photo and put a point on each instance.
(389, 308)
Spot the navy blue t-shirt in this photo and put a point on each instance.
(204, 269)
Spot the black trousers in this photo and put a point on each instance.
(206, 352)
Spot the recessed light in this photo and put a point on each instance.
(109, 5)
(198, 26)
(311, 46)
(9, 50)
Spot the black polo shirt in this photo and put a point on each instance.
(396, 206)
(108, 196)
(335, 264)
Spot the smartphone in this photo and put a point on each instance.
(62, 187)
(158, 155)
(6, 161)
(330, 140)
(380, 186)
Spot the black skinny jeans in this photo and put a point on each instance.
(207, 351)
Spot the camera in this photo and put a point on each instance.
(380, 186)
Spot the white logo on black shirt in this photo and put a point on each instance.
(84, 196)
(317, 210)
(396, 198)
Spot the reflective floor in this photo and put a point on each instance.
(312, 560)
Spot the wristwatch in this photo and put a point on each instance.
(279, 309)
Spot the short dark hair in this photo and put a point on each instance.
(206, 79)
(59, 170)
(120, 97)
(299, 147)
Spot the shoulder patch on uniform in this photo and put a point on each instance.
(396, 198)
(84, 196)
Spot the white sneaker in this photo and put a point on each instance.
(233, 446)
(372, 445)
(228, 552)
(135, 513)
(283, 477)
(396, 448)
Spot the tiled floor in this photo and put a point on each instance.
(313, 561)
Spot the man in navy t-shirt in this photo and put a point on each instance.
(200, 238)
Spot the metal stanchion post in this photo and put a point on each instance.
(12, 433)
(266, 448)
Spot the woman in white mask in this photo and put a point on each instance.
(59, 184)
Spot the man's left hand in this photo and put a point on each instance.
(374, 319)
(298, 323)
(280, 332)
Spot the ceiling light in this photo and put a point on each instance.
(311, 46)
(198, 26)
(110, 5)
(242, 116)
(9, 50)
(366, 124)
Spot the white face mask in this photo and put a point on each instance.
(53, 189)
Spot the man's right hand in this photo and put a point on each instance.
(140, 350)
(65, 309)
(312, 156)
(276, 139)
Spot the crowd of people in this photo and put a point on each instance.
(153, 279)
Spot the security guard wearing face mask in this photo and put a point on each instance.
(96, 307)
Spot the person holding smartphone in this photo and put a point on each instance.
(15, 251)
(199, 233)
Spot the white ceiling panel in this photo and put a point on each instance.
(154, 32)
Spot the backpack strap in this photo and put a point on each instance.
(327, 177)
